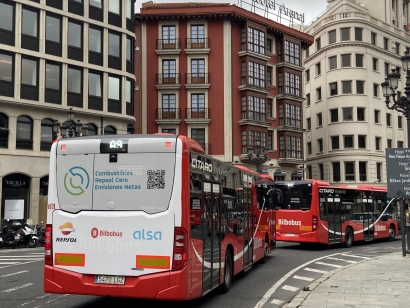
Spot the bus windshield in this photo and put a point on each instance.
(293, 195)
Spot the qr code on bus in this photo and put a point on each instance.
(155, 179)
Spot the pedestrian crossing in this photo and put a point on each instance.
(11, 260)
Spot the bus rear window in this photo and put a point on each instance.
(291, 196)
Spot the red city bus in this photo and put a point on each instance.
(313, 211)
(119, 218)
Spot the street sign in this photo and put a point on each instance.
(398, 172)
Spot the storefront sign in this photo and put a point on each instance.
(13, 209)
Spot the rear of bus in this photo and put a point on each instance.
(297, 211)
(114, 220)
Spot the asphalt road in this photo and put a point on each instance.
(290, 268)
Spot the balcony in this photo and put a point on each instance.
(197, 46)
(168, 46)
(197, 80)
(168, 116)
(197, 115)
(168, 81)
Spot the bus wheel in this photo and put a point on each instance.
(265, 253)
(392, 234)
(348, 238)
(224, 288)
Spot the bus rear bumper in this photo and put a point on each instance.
(163, 286)
(309, 237)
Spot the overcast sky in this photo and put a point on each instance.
(311, 8)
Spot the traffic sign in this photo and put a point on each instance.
(398, 172)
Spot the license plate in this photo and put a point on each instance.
(289, 234)
(109, 279)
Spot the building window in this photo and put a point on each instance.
(375, 90)
(114, 42)
(269, 108)
(377, 116)
(4, 132)
(307, 52)
(389, 143)
(169, 131)
(29, 79)
(53, 31)
(359, 60)
(109, 130)
(256, 41)
(6, 75)
(386, 68)
(318, 45)
(24, 135)
(169, 102)
(360, 114)
(308, 99)
(400, 144)
(308, 123)
(128, 12)
(292, 53)
(114, 88)
(377, 142)
(375, 64)
(198, 134)
(168, 70)
(291, 116)
(336, 171)
(386, 43)
(346, 86)
(74, 80)
(319, 94)
(319, 119)
(309, 148)
(270, 140)
(255, 109)
(293, 147)
(345, 34)
(359, 87)
(30, 23)
(168, 37)
(94, 40)
(198, 103)
(332, 36)
(334, 115)
(358, 34)
(307, 74)
(373, 38)
(361, 141)
(114, 6)
(7, 16)
(318, 69)
(349, 171)
(379, 171)
(53, 76)
(333, 62)
(292, 84)
(335, 142)
(96, 3)
(269, 45)
(46, 134)
(75, 34)
(256, 74)
(347, 114)
(399, 119)
(269, 76)
(129, 91)
(94, 84)
(346, 60)
(397, 46)
(348, 141)
(198, 36)
(333, 88)
(321, 172)
(363, 171)
(388, 119)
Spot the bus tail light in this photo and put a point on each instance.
(314, 223)
(48, 256)
(180, 249)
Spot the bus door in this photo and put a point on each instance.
(248, 228)
(334, 219)
(212, 252)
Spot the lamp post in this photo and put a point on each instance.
(69, 126)
(402, 105)
(259, 158)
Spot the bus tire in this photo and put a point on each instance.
(228, 272)
(265, 251)
(348, 238)
(392, 234)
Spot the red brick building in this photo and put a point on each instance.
(226, 77)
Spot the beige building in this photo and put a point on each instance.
(348, 125)
(56, 55)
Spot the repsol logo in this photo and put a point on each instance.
(326, 191)
(147, 235)
(291, 222)
(66, 239)
(199, 164)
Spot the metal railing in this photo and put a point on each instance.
(197, 113)
(165, 79)
(168, 44)
(197, 43)
(197, 78)
(168, 113)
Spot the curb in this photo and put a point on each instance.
(300, 297)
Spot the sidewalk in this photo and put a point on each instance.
(383, 282)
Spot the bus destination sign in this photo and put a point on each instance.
(398, 172)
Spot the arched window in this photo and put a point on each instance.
(46, 134)
(24, 138)
(109, 130)
(92, 130)
(4, 131)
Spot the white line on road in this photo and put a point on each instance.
(315, 270)
(20, 259)
(276, 302)
(36, 253)
(18, 263)
(272, 290)
(9, 262)
(14, 273)
(337, 259)
(19, 287)
(354, 256)
(290, 288)
(329, 264)
(303, 278)
(33, 300)
(51, 300)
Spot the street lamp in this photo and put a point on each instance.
(402, 105)
(259, 158)
(69, 126)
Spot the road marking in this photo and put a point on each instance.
(36, 253)
(276, 302)
(354, 256)
(329, 264)
(337, 259)
(315, 270)
(51, 300)
(33, 300)
(290, 288)
(14, 273)
(19, 287)
(18, 263)
(20, 259)
(272, 290)
(303, 278)
(9, 262)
